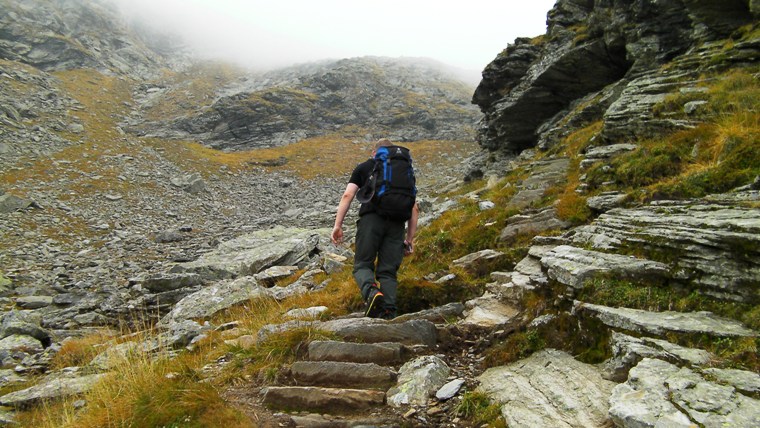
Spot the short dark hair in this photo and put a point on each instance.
(383, 142)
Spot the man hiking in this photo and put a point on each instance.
(386, 185)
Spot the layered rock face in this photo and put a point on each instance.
(607, 55)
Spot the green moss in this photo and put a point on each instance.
(729, 352)
(4, 282)
(517, 346)
(610, 291)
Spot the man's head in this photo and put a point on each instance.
(383, 142)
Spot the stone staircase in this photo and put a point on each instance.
(343, 383)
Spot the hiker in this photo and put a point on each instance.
(380, 232)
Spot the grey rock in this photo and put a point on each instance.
(192, 183)
(658, 393)
(608, 151)
(549, 388)
(532, 224)
(16, 342)
(272, 274)
(486, 205)
(160, 283)
(746, 382)
(215, 298)
(606, 201)
(703, 239)
(10, 377)
(418, 380)
(693, 106)
(10, 203)
(119, 354)
(439, 314)
(543, 175)
(167, 236)
(26, 324)
(333, 263)
(574, 266)
(54, 386)
(270, 330)
(449, 390)
(488, 311)
(180, 333)
(34, 302)
(660, 323)
(478, 261)
(306, 313)
(627, 351)
(252, 253)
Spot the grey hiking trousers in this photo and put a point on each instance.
(383, 240)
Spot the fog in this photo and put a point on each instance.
(269, 34)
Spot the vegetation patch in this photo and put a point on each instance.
(615, 292)
(81, 351)
(191, 89)
(720, 154)
(516, 347)
(416, 294)
(477, 408)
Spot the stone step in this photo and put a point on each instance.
(341, 374)
(341, 421)
(383, 353)
(366, 330)
(323, 400)
(370, 330)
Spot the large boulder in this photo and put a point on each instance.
(574, 266)
(659, 393)
(662, 323)
(250, 254)
(418, 380)
(56, 385)
(549, 389)
(215, 298)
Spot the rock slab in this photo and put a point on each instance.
(549, 389)
(658, 393)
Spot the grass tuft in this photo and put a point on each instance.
(477, 407)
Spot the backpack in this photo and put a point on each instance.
(395, 184)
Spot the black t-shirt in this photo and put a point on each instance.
(360, 176)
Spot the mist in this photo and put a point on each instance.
(264, 35)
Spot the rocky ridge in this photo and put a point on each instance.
(405, 99)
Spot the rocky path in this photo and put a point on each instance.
(407, 372)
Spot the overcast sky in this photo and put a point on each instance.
(274, 33)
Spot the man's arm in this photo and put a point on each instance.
(345, 203)
(411, 229)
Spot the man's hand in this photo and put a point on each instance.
(408, 247)
(337, 235)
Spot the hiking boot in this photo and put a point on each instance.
(387, 315)
(375, 302)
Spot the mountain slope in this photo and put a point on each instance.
(404, 99)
